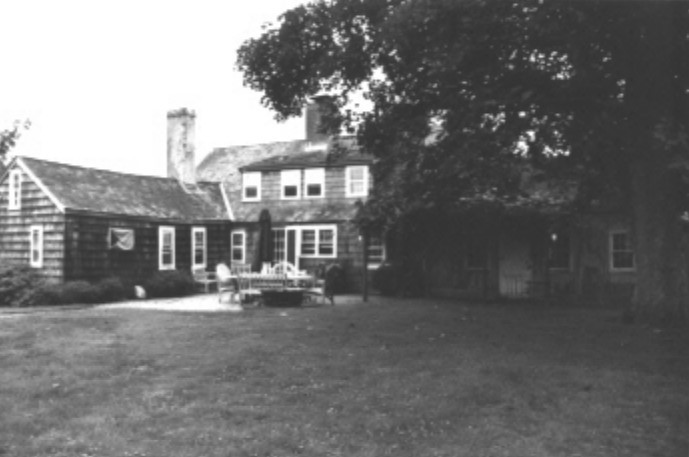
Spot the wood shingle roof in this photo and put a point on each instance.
(91, 190)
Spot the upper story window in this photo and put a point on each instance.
(15, 190)
(166, 248)
(314, 182)
(198, 247)
(356, 181)
(290, 184)
(238, 242)
(36, 246)
(251, 186)
(621, 251)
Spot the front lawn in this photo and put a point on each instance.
(392, 377)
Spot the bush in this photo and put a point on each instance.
(20, 286)
(385, 279)
(71, 292)
(394, 279)
(169, 284)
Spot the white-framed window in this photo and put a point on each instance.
(376, 250)
(314, 182)
(15, 190)
(238, 246)
(36, 246)
(356, 181)
(198, 247)
(621, 251)
(251, 186)
(290, 184)
(166, 248)
(318, 241)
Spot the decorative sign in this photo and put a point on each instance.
(121, 238)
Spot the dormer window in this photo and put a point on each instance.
(251, 186)
(290, 181)
(314, 182)
(356, 181)
(15, 190)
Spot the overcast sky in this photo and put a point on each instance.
(96, 78)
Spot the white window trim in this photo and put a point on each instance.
(37, 263)
(317, 229)
(255, 177)
(348, 181)
(243, 245)
(291, 181)
(194, 231)
(14, 200)
(611, 251)
(314, 176)
(162, 230)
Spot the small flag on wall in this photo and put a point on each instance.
(121, 238)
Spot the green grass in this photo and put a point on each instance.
(392, 377)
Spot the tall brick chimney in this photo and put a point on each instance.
(314, 110)
(180, 145)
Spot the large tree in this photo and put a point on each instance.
(464, 91)
(9, 137)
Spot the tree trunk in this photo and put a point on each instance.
(662, 285)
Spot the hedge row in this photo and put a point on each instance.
(22, 286)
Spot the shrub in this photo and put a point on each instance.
(385, 279)
(394, 279)
(71, 292)
(114, 289)
(169, 284)
(20, 286)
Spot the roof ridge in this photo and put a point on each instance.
(82, 167)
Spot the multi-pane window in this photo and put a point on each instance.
(558, 251)
(376, 250)
(198, 247)
(290, 184)
(15, 190)
(166, 248)
(238, 239)
(279, 245)
(36, 246)
(314, 182)
(251, 186)
(326, 242)
(318, 241)
(356, 181)
(621, 251)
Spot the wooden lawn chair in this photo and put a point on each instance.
(204, 278)
(227, 282)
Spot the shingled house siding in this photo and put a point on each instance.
(88, 256)
(36, 209)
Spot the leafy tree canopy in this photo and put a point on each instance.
(465, 91)
(9, 137)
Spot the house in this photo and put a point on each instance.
(535, 246)
(80, 223)
(72, 222)
(309, 187)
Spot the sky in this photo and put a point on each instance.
(97, 78)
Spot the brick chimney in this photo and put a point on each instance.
(314, 110)
(180, 145)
